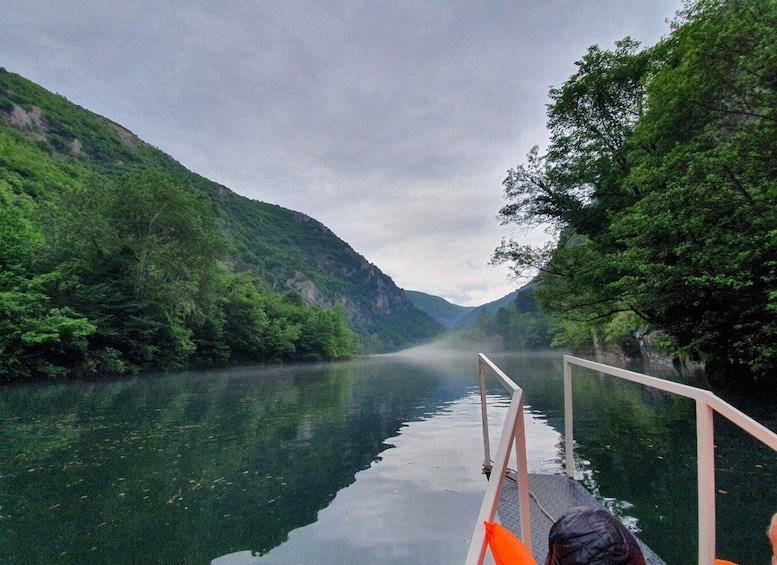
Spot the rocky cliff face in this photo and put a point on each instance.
(384, 297)
(300, 253)
(337, 274)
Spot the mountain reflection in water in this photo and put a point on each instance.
(371, 461)
(419, 503)
(189, 467)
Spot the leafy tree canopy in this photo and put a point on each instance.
(130, 275)
(660, 184)
(136, 259)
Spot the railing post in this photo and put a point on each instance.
(569, 441)
(488, 508)
(523, 475)
(513, 433)
(706, 406)
(705, 453)
(484, 415)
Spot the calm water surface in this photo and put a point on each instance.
(371, 461)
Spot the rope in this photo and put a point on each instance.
(542, 508)
(534, 496)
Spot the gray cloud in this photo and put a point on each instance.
(391, 122)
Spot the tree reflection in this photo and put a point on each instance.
(183, 468)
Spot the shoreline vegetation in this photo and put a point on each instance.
(659, 188)
(659, 185)
(124, 277)
(115, 259)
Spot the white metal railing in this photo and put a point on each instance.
(513, 433)
(706, 404)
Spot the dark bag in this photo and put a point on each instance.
(587, 536)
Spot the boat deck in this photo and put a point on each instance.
(550, 497)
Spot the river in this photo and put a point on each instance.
(371, 461)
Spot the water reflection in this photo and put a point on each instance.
(185, 468)
(419, 503)
(377, 461)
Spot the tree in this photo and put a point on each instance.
(246, 320)
(139, 257)
(37, 339)
(577, 186)
(702, 242)
(660, 184)
(326, 335)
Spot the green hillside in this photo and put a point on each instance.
(471, 317)
(441, 310)
(515, 320)
(75, 189)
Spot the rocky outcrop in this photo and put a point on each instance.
(23, 119)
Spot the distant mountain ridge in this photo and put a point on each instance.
(514, 322)
(455, 316)
(49, 145)
(489, 308)
(441, 310)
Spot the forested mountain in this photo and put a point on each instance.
(441, 310)
(115, 258)
(513, 322)
(471, 317)
(660, 181)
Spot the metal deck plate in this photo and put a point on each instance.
(551, 496)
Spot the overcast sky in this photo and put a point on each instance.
(392, 122)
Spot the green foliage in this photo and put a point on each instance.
(520, 327)
(125, 276)
(37, 339)
(661, 183)
(137, 256)
(116, 259)
(326, 335)
(711, 170)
